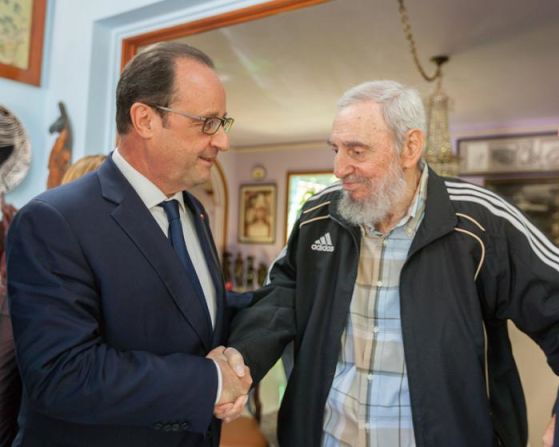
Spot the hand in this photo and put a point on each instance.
(231, 411)
(236, 379)
(548, 435)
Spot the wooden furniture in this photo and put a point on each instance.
(245, 431)
(242, 432)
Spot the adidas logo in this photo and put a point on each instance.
(323, 244)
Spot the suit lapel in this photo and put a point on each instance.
(136, 221)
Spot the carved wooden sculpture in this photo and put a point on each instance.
(61, 152)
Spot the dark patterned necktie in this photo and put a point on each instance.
(176, 237)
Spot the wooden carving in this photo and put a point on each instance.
(61, 153)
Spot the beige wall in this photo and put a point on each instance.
(539, 382)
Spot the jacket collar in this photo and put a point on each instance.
(439, 219)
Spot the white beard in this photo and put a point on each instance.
(384, 195)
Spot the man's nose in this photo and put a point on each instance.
(220, 140)
(342, 164)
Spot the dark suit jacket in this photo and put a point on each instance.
(110, 337)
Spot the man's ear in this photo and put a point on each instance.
(143, 119)
(413, 148)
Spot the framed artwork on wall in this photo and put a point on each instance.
(537, 197)
(257, 214)
(509, 154)
(301, 186)
(22, 24)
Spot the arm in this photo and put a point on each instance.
(526, 279)
(261, 331)
(551, 436)
(69, 371)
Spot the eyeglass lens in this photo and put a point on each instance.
(211, 125)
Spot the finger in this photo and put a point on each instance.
(222, 411)
(216, 352)
(548, 435)
(237, 409)
(235, 360)
(223, 407)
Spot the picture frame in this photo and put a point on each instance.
(300, 187)
(257, 213)
(507, 154)
(22, 25)
(537, 197)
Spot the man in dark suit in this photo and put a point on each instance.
(117, 321)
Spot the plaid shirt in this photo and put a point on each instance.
(369, 401)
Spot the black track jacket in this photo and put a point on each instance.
(475, 263)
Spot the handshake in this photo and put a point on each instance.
(235, 383)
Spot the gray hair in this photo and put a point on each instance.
(402, 106)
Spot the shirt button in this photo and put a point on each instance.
(379, 283)
(369, 377)
(376, 329)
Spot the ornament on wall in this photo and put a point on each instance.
(61, 152)
(15, 151)
(258, 172)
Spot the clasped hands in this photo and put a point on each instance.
(236, 382)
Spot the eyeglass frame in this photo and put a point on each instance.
(225, 122)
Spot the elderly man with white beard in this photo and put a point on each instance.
(396, 286)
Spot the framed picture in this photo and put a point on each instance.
(537, 198)
(22, 24)
(509, 154)
(257, 215)
(301, 186)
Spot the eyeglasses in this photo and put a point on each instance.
(211, 124)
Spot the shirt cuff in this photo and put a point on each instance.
(219, 382)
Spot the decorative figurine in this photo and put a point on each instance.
(239, 272)
(250, 276)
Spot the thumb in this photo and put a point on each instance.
(235, 360)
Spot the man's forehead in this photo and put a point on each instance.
(357, 121)
(198, 84)
(193, 74)
(363, 110)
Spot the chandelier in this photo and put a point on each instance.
(438, 152)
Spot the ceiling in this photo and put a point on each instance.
(284, 73)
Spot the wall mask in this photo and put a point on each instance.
(15, 151)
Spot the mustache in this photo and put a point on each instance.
(354, 179)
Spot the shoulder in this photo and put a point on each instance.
(318, 204)
(488, 208)
(70, 201)
(79, 191)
